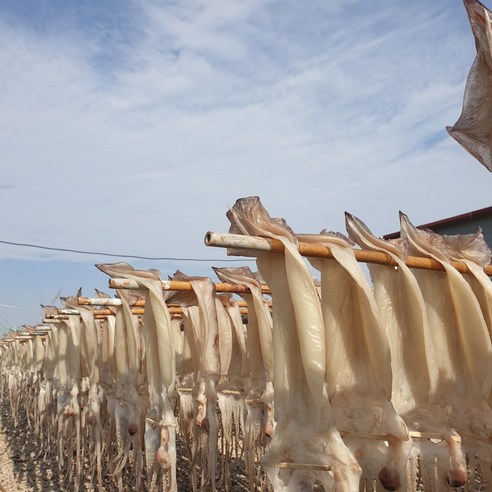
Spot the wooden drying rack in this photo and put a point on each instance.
(113, 301)
(137, 311)
(259, 244)
(378, 437)
(179, 285)
(263, 244)
(138, 306)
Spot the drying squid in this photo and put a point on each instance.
(463, 355)
(68, 378)
(91, 394)
(231, 384)
(127, 402)
(202, 325)
(159, 436)
(358, 368)
(473, 130)
(305, 431)
(260, 423)
(415, 372)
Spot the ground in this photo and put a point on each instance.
(24, 466)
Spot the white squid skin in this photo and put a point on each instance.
(267, 398)
(465, 354)
(415, 374)
(205, 432)
(152, 442)
(50, 391)
(91, 392)
(159, 435)
(234, 377)
(321, 413)
(212, 428)
(204, 340)
(167, 445)
(482, 287)
(305, 431)
(162, 454)
(126, 404)
(201, 407)
(230, 389)
(359, 373)
(259, 425)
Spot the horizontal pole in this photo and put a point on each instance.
(253, 243)
(99, 313)
(67, 311)
(102, 317)
(179, 285)
(141, 311)
(102, 301)
(113, 302)
(89, 301)
(305, 466)
(18, 337)
(108, 312)
(239, 241)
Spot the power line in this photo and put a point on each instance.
(98, 253)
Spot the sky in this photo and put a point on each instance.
(130, 127)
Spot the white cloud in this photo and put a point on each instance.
(135, 136)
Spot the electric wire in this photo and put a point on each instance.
(4, 319)
(115, 255)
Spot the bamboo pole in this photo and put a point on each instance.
(305, 466)
(136, 311)
(42, 327)
(113, 301)
(68, 311)
(89, 301)
(55, 321)
(104, 301)
(107, 312)
(24, 333)
(121, 283)
(252, 243)
(100, 313)
(42, 331)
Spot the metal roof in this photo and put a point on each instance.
(450, 221)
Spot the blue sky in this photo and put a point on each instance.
(131, 126)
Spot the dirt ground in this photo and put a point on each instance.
(24, 466)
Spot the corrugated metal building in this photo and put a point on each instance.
(461, 224)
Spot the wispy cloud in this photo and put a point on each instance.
(136, 124)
